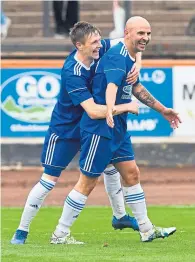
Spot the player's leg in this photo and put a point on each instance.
(92, 164)
(135, 199)
(113, 188)
(134, 195)
(57, 154)
(73, 205)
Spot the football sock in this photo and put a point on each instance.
(135, 199)
(113, 188)
(73, 206)
(34, 202)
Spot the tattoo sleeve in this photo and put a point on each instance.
(142, 94)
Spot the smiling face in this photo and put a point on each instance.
(140, 38)
(87, 39)
(137, 34)
(90, 46)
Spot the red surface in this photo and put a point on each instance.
(162, 186)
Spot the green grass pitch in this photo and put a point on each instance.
(94, 228)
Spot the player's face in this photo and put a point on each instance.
(92, 46)
(142, 38)
(139, 37)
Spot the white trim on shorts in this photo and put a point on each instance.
(63, 167)
(121, 157)
(91, 172)
(91, 154)
(50, 149)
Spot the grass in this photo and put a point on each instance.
(94, 228)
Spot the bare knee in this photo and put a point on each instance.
(51, 178)
(132, 176)
(85, 184)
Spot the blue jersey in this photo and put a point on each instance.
(75, 88)
(112, 68)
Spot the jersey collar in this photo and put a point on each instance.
(87, 68)
(133, 59)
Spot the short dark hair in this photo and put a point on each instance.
(81, 30)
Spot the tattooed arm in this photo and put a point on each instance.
(144, 96)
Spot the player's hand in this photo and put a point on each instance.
(109, 118)
(133, 107)
(172, 116)
(133, 74)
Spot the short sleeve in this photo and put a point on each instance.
(77, 89)
(115, 69)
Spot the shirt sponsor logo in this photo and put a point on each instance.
(128, 92)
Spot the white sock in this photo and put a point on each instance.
(113, 188)
(73, 206)
(135, 199)
(34, 202)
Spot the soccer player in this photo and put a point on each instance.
(106, 141)
(62, 140)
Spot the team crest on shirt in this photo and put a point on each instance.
(127, 92)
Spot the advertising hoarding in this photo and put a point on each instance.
(27, 100)
(158, 81)
(184, 99)
(28, 96)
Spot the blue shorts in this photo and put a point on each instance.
(58, 153)
(96, 153)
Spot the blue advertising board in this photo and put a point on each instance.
(158, 82)
(29, 95)
(27, 100)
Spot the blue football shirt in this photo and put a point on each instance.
(75, 88)
(112, 68)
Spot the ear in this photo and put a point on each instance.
(126, 32)
(79, 46)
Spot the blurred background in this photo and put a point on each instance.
(33, 33)
(34, 45)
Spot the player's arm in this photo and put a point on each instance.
(135, 70)
(115, 73)
(111, 92)
(134, 73)
(96, 111)
(138, 62)
(79, 94)
(144, 96)
(113, 109)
